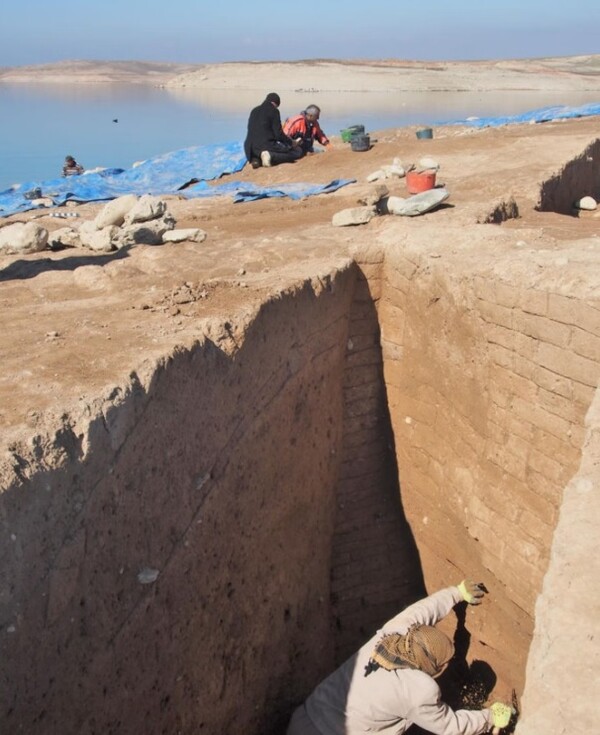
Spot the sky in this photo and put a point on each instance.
(208, 31)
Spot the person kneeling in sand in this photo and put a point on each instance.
(71, 167)
(389, 684)
(304, 128)
(266, 144)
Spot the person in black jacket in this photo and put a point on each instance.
(266, 144)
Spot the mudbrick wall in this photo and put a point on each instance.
(165, 559)
(375, 566)
(489, 371)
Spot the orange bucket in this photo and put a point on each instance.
(417, 182)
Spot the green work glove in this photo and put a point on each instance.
(471, 592)
(501, 714)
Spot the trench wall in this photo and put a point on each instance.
(488, 382)
(579, 178)
(375, 569)
(562, 668)
(214, 470)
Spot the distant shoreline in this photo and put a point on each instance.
(573, 73)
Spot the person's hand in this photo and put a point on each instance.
(472, 592)
(501, 714)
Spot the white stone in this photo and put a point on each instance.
(427, 164)
(99, 240)
(417, 204)
(353, 216)
(395, 205)
(375, 194)
(588, 203)
(23, 237)
(145, 209)
(114, 212)
(147, 575)
(194, 234)
(65, 236)
(394, 172)
(145, 233)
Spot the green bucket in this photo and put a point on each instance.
(348, 133)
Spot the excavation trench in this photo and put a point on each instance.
(580, 177)
(201, 548)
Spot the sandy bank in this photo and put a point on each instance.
(580, 73)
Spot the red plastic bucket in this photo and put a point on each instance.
(417, 182)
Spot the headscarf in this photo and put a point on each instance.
(423, 647)
(273, 97)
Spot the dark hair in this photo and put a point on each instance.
(273, 97)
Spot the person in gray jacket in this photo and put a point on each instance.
(389, 684)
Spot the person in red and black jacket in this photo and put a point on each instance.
(304, 128)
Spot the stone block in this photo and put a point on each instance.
(99, 240)
(567, 363)
(23, 237)
(192, 234)
(542, 328)
(145, 233)
(146, 208)
(114, 212)
(353, 216)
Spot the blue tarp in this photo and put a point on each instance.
(167, 174)
(244, 191)
(544, 114)
(164, 174)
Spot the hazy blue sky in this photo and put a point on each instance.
(198, 31)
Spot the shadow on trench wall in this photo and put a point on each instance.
(164, 556)
(376, 570)
(579, 178)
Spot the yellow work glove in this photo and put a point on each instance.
(501, 714)
(472, 592)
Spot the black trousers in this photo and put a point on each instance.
(280, 153)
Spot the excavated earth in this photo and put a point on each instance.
(224, 464)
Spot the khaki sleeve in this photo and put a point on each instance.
(428, 611)
(435, 716)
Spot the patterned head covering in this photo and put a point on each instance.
(423, 647)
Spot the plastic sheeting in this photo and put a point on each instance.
(169, 173)
(165, 174)
(243, 191)
(544, 114)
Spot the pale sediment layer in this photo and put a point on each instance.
(577, 73)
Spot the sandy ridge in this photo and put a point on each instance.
(580, 73)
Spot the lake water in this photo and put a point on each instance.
(40, 124)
